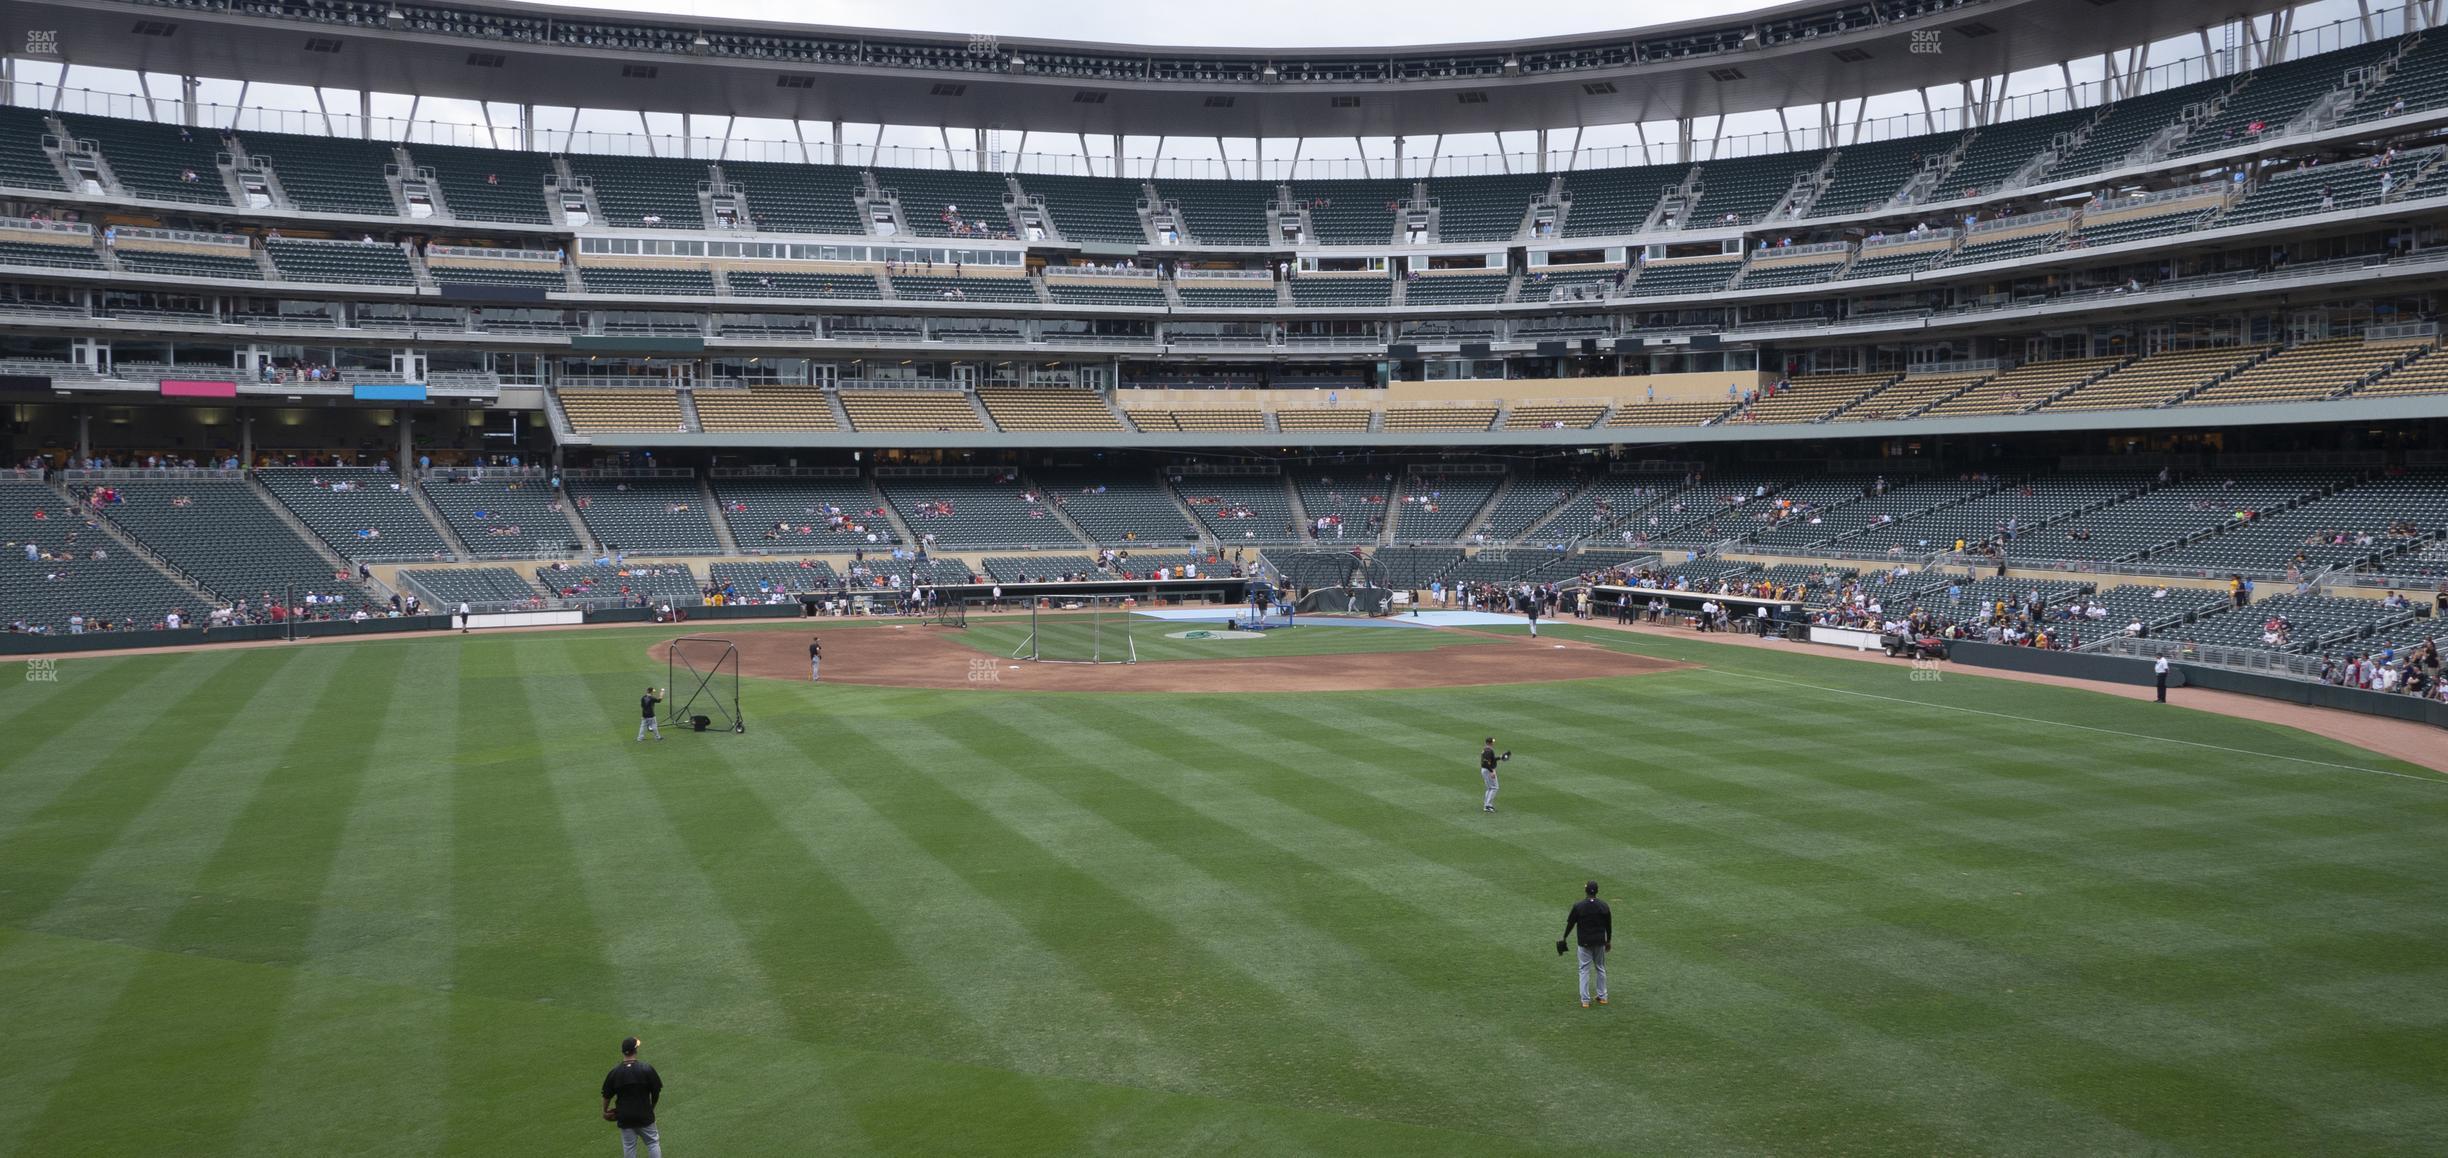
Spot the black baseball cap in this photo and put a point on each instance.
(1591, 888)
(629, 1044)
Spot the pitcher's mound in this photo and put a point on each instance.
(920, 657)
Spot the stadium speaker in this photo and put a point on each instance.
(1474, 349)
(1553, 349)
(698, 723)
(1400, 351)
(1704, 341)
(1627, 345)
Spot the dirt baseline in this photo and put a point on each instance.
(926, 657)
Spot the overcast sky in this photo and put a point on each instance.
(1245, 23)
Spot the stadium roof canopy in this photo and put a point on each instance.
(1786, 56)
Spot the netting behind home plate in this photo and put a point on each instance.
(1088, 629)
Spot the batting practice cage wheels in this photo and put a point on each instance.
(700, 670)
(1084, 629)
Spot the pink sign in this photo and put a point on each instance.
(191, 388)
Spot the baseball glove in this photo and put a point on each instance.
(611, 1115)
(1559, 946)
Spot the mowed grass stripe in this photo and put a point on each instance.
(2101, 1017)
(1326, 948)
(2092, 716)
(250, 836)
(382, 916)
(1151, 940)
(889, 949)
(1706, 995)
(53, 725)
(50, 843)
(677, 952)
(98, 842)
(1447, 954)
(531, 988)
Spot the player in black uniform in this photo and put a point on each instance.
(1488, 759)
(1594, 924)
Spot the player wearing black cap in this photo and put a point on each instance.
(630, 1093)
(1489, 758)
(1595, 925)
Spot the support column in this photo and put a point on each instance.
(365, 115)
(84, 434)
(407, 441)
(187, 101)
(1542, 150)
(246, 439)
(978, 143)
(526, 133)
(1117, 156)
(1398, 158)
(837, 149)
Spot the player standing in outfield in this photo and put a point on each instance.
(1530, 605)
(1594, 924)
(646, 714)
(1488, 759)
(630, 1093)
(815, 659)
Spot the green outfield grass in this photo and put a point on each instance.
(405, 896)
(1070, 635)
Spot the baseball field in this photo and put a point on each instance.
(406, 896)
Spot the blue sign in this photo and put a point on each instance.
(389, 392)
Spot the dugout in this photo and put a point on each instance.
(1607, 598)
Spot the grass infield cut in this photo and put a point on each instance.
(404, 897)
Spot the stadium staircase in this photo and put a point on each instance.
(1063, 517)
(1797, 202)
(1479, 518)
(298, 527)
(977, 406)
(1300, 514)
(1578, 495)
(1189, 516)
(688, 409)
(441, 526)
(239, 170)
(418, 271)
(713, 505)
(2084, 384)
(1677, 201)
(580, 533)
(136, 549)
(2265, 355)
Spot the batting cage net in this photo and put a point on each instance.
(1368, 601)
(1089, 629)
(950, 613)
(701, 684)
(1307, 569)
